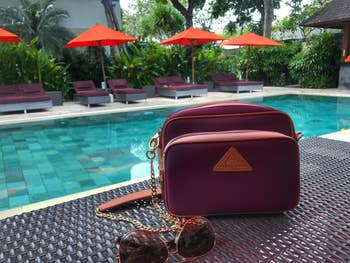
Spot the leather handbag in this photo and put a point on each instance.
(224, 158)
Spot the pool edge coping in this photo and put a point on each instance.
(62, 199)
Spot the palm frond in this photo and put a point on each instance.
(39, 19)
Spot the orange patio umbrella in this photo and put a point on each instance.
(192, 37)
(250, 39)
(6, 36)
(98, 36)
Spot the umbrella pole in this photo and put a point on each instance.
(103, 66)
(248, 62)
(192, 64)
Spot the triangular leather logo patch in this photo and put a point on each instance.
(232, 161)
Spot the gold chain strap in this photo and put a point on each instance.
(151, 154)
(137, 224)
(176, 222)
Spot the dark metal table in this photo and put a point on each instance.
(317, 231)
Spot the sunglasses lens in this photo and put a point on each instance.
(196, 238)
(142, 246)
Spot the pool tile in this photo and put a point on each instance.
(11, 164)
(52, 184)
(72, 188)
(8, 148)
(13, 176)
(56, 193)
(102, 181)
(65, 138)
(49, 175)
(45, 169)
(15, 184)
(34, 146)
(4, 204)
(121, 177)
(12, 156)
(38, 197)
(19, 191)
(87, 183)
(40, 189)
(52, 153)
(18, 201)
(3, 193)
(31, 172)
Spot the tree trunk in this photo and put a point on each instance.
(261, 10)
(187, 13)
(268, 12)
(110, 23)
(112, 20)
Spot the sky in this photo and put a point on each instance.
(220, 24)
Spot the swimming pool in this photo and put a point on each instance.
(48, 159)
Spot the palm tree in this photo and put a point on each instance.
(39, 20)
(161, 22)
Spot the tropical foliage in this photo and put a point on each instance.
(162, 21)
(24, 63)
(84, 65)
(316, 65)
(149, 60)
(293, 22)
(313, 64)
(37, 19)
(158, 19)
(270, 64)
(187, 9)
(243, 11)
(133, 16)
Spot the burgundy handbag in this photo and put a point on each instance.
(224, 158)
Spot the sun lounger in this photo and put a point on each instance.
(23, 97)
(88, 94)
(229, 82)
(175, 86)
(123, 92)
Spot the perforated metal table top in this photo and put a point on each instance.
(318, 230)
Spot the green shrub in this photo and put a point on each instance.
(270, 64)
(23, 63)
(146, 61)
(211, 59)
(85, 65)
(149, 60)
(316, 65)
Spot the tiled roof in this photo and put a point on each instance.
(333, 15)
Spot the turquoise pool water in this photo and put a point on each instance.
(48, 159)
